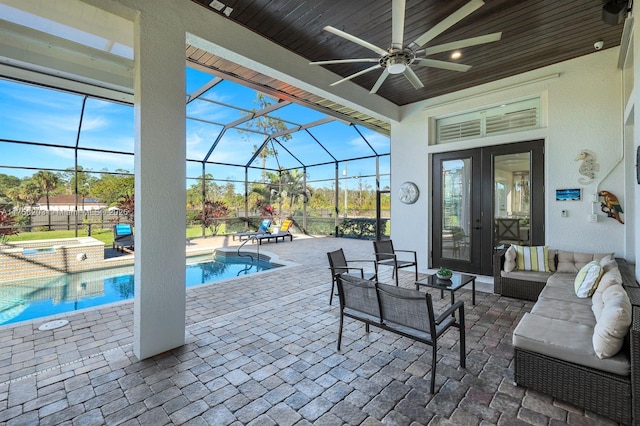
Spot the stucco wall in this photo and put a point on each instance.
(582, 109)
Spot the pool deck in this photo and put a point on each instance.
(261, 350)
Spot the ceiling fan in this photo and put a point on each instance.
(399, 58)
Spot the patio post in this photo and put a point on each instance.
(160, 175)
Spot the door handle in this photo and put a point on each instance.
(477, 227)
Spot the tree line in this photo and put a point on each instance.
(284, 190)
(108, 188)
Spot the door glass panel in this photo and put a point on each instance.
(512, 197)
(456, 208)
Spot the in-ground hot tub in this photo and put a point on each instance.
(28, 259)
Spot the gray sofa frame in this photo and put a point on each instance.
(403, 311)
(609, 395)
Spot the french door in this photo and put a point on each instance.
(483, 198)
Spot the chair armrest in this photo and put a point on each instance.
(361, 261)
(348, 268)
(446, 314)
(498, 263)
(415, 254)
(405, 251)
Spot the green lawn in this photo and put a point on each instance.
(103, 234)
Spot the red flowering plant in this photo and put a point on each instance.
(7, 223)
(211, 216)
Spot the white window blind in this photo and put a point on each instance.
(517, 116)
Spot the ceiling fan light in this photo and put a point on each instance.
(396, 67)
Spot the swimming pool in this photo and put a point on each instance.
(39, 297)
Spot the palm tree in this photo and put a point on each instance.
(48, 182)
(294, 186)
(29, 192)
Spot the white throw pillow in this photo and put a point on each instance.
(597, 301)
(613, 325)
(510, 259)
(609, 278)
(608, 262)
(587, 279)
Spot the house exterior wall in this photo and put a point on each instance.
(581, 109)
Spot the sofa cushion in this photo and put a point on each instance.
(556, 293)
(565, 340)
(587, 279)
(565, 310)
(539, 277)
(534, 258)
(569, 261)
(613, 324)
(563, 280)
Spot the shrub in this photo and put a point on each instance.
(7, 223)
(213, 212)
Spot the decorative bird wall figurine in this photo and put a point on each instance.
(611, 205)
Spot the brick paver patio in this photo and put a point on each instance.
(261, 350)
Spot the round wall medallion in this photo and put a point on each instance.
(409, 193)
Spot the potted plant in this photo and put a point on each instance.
(444, 273)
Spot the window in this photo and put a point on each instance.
(507, 118)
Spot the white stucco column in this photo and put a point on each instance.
(160, 194)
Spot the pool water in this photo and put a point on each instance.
(39, 297)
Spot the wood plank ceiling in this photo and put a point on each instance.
(535, 34)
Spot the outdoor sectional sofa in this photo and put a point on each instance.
(559, 346)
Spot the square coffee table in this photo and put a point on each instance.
(454, 283)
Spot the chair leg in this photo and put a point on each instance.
(433, 367)
(395, 272)
(340, 330)
(333, 286)
(463, 344)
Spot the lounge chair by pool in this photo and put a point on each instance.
(123, 237)
(281, 234)
(264, 229)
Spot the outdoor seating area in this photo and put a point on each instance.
(261, 349)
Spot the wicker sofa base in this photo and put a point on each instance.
(520, 289)
(606, 394)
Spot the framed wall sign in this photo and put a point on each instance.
(571, 194)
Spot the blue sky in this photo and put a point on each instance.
(35, 114)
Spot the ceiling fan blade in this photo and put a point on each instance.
(381, 80)
(413, 78)
(397, 23)
(344, 61)
(449, 21)
(355, 39)
(473, 41)
(442, 65)
(359, 73)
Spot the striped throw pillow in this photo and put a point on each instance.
(534, 258)
(588, 279)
